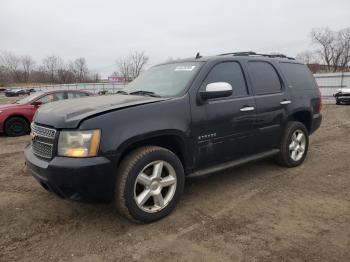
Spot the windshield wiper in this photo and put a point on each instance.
(144, 93)
(122, 92)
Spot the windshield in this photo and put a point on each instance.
(164, 80)
(29, 99)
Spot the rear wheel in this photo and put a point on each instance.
(149, 184)
(294, 145)
(16, 126)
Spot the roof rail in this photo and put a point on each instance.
(251, 53)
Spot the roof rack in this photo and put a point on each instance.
(250, 53)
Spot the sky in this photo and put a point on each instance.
(104, 30)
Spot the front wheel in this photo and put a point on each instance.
(149, 184)
(294, 145)
(16, 126)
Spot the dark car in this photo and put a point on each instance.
(18, 92)
(102, 92)
(15, 118)
(179, 119)
(342, 96)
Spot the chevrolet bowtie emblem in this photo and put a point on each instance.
(33, 135)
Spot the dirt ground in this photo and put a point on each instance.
(257, 212)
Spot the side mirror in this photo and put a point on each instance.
(216, 90)
(36, 103)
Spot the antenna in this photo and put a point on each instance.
(198, 55)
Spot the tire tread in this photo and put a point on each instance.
(283, 158)
(126, 165)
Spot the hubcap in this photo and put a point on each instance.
(297, 145)
(155, 186)
(16, 127)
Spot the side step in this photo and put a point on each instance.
(233, 163)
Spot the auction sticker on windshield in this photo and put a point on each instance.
(184, 68)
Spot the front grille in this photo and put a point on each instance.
(43, 141)
(43, 131)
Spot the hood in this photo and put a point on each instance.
(7, 106)
(69, 113)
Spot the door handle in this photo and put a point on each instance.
(247, 108)
(285, 102)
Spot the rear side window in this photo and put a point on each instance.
(264, 77)
(82, 94)
(298, 75)
(230, 72)
(76, 95)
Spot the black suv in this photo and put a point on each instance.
(179, 119)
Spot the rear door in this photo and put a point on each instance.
(271, 101)
(228, 131)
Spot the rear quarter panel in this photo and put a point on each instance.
(303, 98)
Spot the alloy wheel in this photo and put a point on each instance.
(155, 186)
(297, 145)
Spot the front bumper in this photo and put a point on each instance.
(76, 178)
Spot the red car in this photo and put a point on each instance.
(15, 118)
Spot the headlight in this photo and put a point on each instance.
(0, 111)
(79, 143)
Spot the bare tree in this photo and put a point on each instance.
(334, 47)
(27, 65)
(65, 74)
(325, 39)
(14, 69)
(52, 64)
(39, 75)
(131, 66)
(138, 61)
(4, 76)
(80, 69)
(11, 63)
(96, 77)
(344, 37)
(124, 68)
(307, 57)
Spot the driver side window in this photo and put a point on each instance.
(229, 72)
(51, 98)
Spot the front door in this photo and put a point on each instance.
(228, 131)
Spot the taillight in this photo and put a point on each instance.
(320, 103)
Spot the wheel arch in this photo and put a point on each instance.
(16, 115)
(304, 116)
(172, 140)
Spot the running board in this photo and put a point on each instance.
(234, 163)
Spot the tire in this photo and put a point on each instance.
(131, 185)
(295, 139)
(16, 126)
(337, 102)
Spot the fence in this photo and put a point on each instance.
(111, 88)
(330, 83)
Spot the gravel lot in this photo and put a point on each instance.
(257, 212)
